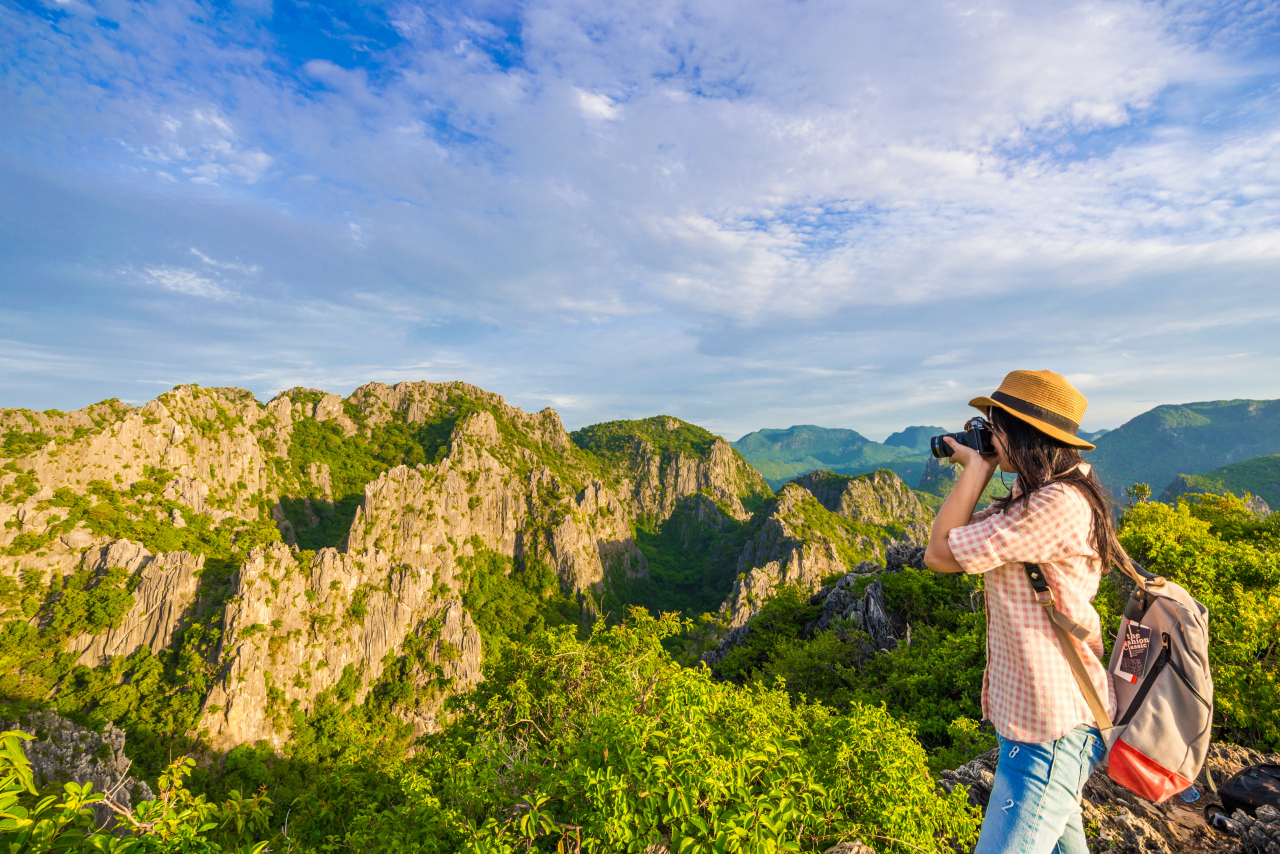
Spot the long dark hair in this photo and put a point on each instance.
(1041, 460)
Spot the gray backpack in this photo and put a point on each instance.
(1164, 693)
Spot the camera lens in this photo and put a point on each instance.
(938, 447)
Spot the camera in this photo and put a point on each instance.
(976, 435)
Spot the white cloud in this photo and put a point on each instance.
(597, 106)
(766, 195)
(948, 358)
(186, 282)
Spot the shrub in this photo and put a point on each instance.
(609, 745)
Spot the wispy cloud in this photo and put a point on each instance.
(187, 282)
(729, 211)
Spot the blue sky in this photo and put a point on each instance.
(747, 214)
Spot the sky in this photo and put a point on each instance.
(745, 214)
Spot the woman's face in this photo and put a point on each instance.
(999, 439)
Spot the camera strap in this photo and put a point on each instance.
(1066, 628)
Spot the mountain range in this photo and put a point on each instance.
(1213, 444)
(781, 455)
(272, 554)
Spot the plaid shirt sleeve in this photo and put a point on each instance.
(1040, 531)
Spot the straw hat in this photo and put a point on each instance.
(1044, 400)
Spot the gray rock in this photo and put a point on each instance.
(853, 846)
(63, 752)
(165, 590)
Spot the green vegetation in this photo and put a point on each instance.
(692, 557)
(606, 744)
(156, 698)
(1259, 476)
(506, 603)
(176, 821)
(930, 683)
(1192, 438)
(354, 461)
(613, 441)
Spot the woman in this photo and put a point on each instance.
(1057, 517)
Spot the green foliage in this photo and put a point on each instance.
(18, 443)
(968, 739)
(692, 557)
(156, 698)
(507, 603)
(83, 603)
(929, 683)
(608, 745)
(1229, 560)
(1259, 476)
(178, 821)
(614, 441)
(353, 462)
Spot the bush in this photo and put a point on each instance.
(609, 745)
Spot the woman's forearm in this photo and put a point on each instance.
(956, 512)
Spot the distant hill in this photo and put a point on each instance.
(915, 438)
(781, 455)
(1189, 438)
(1259, 476)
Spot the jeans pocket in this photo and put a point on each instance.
(1092, 752)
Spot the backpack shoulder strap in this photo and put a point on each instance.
(1065, 627)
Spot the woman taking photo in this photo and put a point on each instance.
(1056, 517)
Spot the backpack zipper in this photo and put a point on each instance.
(1182, 674)
(1156, 667)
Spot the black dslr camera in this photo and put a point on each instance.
(976, 435)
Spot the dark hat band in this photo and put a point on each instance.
(1048, 416)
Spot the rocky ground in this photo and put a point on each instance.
(1120, 822)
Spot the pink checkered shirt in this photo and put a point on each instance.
(1028, 691)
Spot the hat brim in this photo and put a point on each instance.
(1061, 435)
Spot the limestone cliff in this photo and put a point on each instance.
(166, 586)
(878, 498)
(293, 628)
(819, 527)
(315, 535)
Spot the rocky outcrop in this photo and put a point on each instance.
(291, 631)
(1259, 833)
(63, 752)
(221, 434)
(166, 587)
(659, 481)
(1127, 824)
(938, 477)
(854, 603)
(785, 551)
(878, 498)
(505, 483)
(800, 544)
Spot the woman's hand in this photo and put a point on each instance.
(964, 456)
(958, 508)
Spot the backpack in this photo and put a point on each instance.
(1250, 788)
(1164, 693)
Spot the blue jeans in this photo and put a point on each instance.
(1035, 802)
